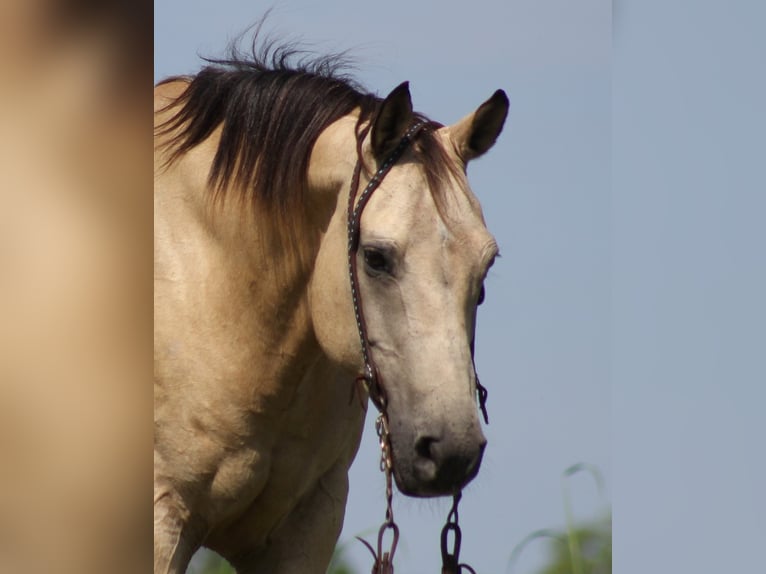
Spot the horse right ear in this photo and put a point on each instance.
(392, 122)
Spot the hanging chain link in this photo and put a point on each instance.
(384, 559)
(451, 559)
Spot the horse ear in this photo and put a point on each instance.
(477, 132)
(393, 120)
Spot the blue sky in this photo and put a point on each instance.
(624, 322)
(688, 283)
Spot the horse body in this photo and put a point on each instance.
(252, 419)
(255, 356)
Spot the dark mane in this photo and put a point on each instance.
(272, 103)
(264, 105)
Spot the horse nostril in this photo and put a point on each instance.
(424, 447)
(442, 466)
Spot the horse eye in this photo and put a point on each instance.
(376, 260)
(481, 295)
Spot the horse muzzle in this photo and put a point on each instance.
(437, 464)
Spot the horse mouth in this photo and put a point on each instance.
(425, 477)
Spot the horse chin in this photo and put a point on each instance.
(422, 479)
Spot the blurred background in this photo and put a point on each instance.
(75, 287)
(623, 328)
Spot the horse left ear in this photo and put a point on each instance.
(477, 132)
(393, 121)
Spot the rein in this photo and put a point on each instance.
(371, 380)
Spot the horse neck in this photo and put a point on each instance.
(329, 174)
(242, 267)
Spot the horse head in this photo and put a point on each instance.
(422, 255)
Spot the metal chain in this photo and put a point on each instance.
(384, 559)
(451, 560)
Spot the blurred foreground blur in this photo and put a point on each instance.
(75, 287)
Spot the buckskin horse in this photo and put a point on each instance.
(273, 260)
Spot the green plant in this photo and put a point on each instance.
(214, 564)
(579, 549)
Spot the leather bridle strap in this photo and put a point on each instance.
(370, 377)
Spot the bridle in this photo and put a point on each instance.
(371, 379)
(370, 376)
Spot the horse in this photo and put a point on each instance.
(258, 406)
